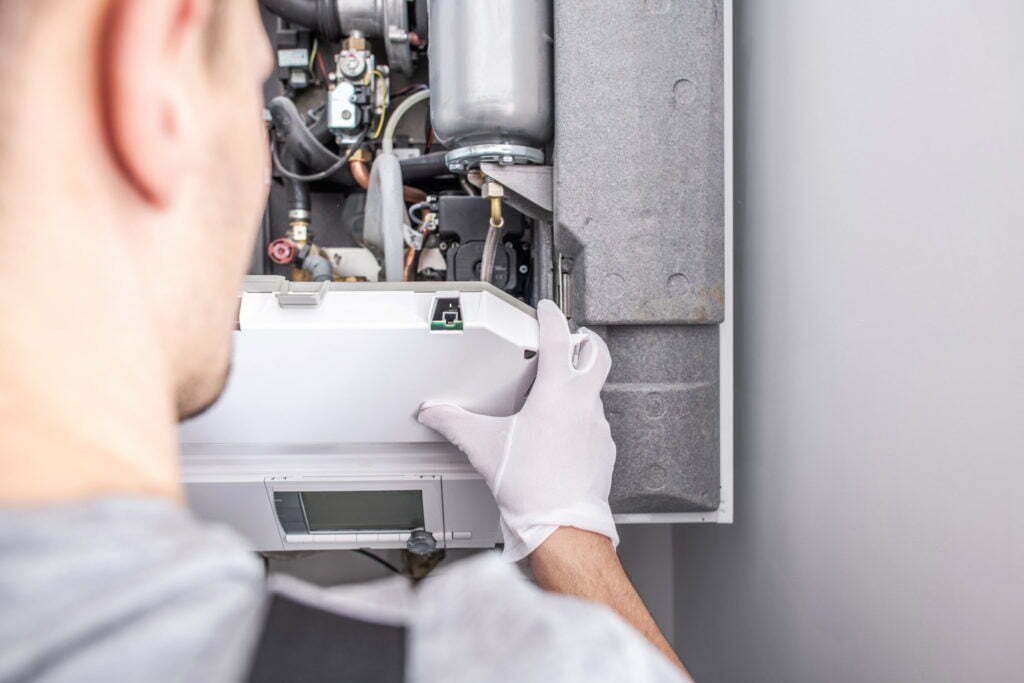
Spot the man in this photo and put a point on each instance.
(136, 171)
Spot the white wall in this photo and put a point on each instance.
(880, 351)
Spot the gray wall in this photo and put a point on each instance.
(879, 528)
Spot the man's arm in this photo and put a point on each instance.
(584, 565)
(550, 470)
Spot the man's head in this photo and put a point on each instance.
(136, 163)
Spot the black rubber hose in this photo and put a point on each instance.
(299, 142)
(298, 195)
(320, 16)
(426, 166)
(320, 130)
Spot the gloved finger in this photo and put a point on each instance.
(554, 354)
(480, 437)
(593, 359)
(449, 420)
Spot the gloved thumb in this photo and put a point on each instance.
(480, 437)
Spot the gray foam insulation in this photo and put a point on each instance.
(639, 212)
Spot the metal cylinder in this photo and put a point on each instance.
(491, 72)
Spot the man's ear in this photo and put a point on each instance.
(150, 49)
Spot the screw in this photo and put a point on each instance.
(352, 66)
(346, 114)
(523, 268)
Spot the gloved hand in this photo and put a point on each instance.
(550, 465)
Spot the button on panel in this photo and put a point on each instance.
(299, 538)
(324, 539)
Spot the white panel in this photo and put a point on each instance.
(356, 368)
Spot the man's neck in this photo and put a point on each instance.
(86, 398)
(86, 392)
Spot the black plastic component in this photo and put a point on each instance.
(425, 166)
(298, 195)
(462, 229)
(288, 36)
(294, 138)
(421, 542)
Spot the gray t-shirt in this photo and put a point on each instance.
(138, 590)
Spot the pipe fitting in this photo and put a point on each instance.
(282, 251)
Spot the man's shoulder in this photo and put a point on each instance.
(519, 632)
(481, 620)
(136, 586)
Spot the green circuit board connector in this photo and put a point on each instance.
(455, 326)
(447, 315)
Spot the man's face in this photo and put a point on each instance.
(232, 167)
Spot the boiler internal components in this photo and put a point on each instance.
(414, 169)
(463, 223)
(358, 92)
(385, 20)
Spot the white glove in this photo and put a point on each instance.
(550, 465)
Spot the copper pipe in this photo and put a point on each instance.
(410, 259)
(413, 195)
(361, 174)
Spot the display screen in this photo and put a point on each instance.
(363, 510)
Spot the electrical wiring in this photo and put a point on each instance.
(416, 208)
(323, 67)
(312, 56)
(379, 560)
(326, 173)
(384, 110)
(388, 140)
(409, 90)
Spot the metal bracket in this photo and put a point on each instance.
(289, 295)
(463, 159)
(529, 188)
(263, 284)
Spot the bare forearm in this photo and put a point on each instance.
(584, 565)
